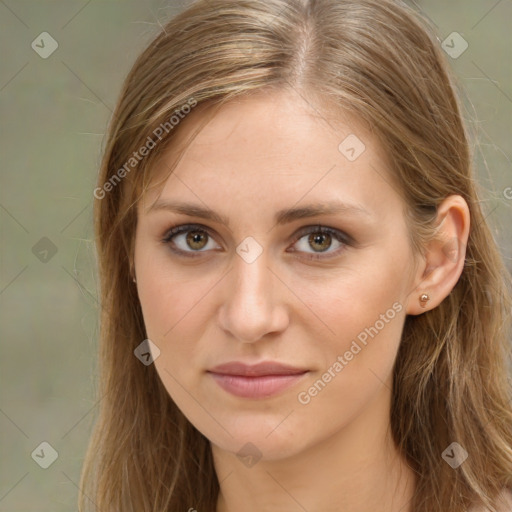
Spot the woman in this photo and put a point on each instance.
(303, 307)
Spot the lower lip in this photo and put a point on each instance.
(256, 387)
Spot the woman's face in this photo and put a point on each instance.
(266, 284)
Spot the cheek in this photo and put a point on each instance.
(357, 300)
(175, 314)
(358, 360)
(364, 316)
(168, 294)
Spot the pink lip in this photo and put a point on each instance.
(257, 381)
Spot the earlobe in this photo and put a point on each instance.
(445, 256)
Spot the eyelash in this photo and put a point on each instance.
(340, 236)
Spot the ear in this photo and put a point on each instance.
(445, 255)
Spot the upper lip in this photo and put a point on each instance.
(256, 370)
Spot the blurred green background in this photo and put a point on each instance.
(53, 114)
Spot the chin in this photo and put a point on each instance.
(257, 437)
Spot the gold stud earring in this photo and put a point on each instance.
(424, 298)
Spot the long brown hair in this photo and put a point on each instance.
(380, 61)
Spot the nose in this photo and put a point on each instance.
(253, 303)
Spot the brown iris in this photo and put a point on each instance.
(321, 239)
(197, 239)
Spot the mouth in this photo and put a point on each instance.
(257, 381)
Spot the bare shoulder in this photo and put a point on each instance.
(505, 504)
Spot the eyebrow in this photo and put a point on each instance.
(281, 217)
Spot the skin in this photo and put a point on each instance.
(259, 155)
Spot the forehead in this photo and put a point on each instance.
(271, 150)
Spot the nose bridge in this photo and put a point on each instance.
(253, 280)
(251, 307)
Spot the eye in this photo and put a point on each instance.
(190, 240)
(320, 239)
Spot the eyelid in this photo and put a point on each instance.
(340, 236)
(184, 228)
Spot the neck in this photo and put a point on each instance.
(356, 469)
